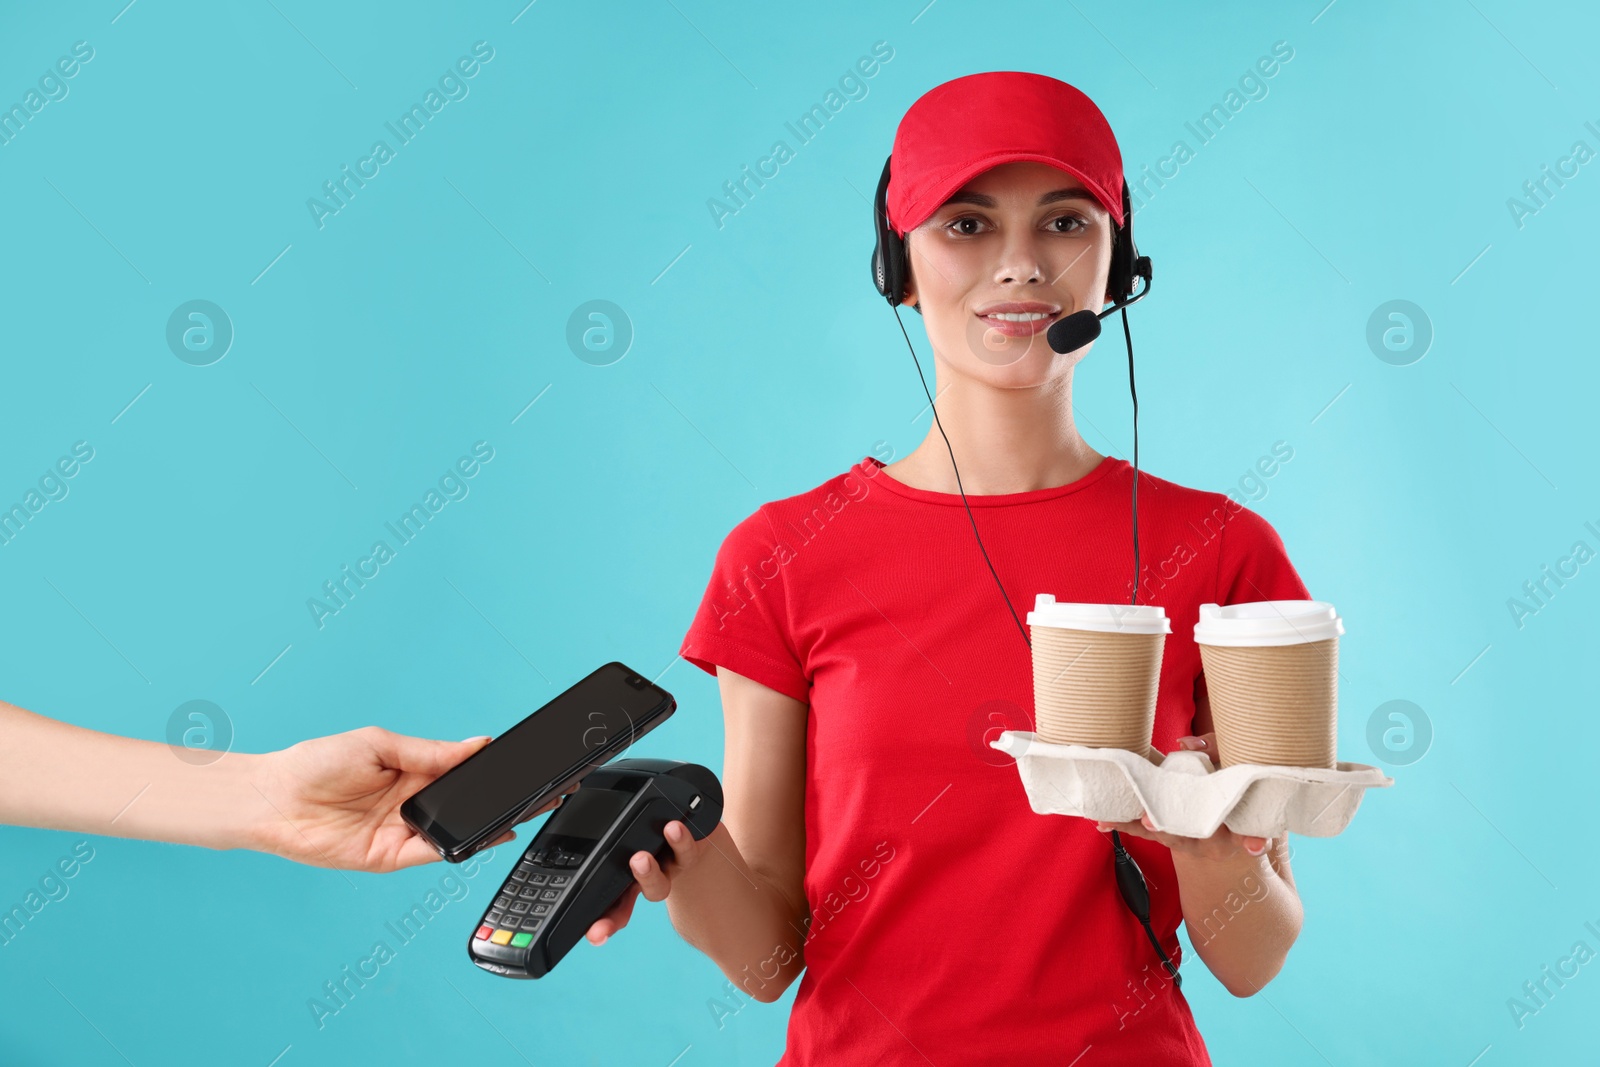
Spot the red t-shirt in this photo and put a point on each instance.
(949, 921)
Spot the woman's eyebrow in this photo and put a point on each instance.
(983, 200)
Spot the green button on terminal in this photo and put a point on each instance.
(521, 940)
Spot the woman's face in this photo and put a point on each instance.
(1022, 239)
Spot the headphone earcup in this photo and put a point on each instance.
(895, 261)
(888, 267)
(1120, 277)
(888, 250)
(1122, 253)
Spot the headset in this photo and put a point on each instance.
(889, 270)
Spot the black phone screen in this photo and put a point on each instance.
(538, 753)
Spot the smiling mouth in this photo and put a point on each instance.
(1018, 323)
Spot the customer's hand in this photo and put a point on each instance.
(1224, 844)
(335, 801)
(651, 879)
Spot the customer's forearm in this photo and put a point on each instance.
(749, 929)
(62, 777)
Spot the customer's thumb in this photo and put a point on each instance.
(423, 756)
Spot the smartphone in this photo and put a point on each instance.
(521, 770)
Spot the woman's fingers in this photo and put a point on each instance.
(615, 918)
(1221, 844)
(1128, 827)
(654, 881)
(686, 851)
(650, 880)
(1143, 827)
(1206, 743)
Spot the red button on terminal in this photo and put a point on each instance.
(484, 932)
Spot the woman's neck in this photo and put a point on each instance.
(1005, 440)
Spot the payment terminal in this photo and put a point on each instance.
(576, 867)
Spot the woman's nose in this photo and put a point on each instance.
(1020, 261)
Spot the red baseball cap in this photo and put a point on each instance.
(958, 130)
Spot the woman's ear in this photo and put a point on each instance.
(908, 290)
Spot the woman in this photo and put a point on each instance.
(870, 838)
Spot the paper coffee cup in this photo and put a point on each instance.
(1096, 669)
(1272, 669)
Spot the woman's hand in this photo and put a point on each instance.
(1221, 845)
(335, 801)
(650, 879)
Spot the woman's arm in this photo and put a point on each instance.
(63, 777)
(328, 802)
(738, 896)
(1237, 892)
(1242, 909)
(1242, 912)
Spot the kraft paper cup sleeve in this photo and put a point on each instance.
(1272, 673)
(1096, 671)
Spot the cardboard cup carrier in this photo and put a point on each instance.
(1096, 668)
(1272, 671)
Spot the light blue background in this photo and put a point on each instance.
(431, 310)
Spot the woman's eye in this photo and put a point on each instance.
(970, 225)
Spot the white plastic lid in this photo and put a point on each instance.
(1267, 622)
(1106, 618)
